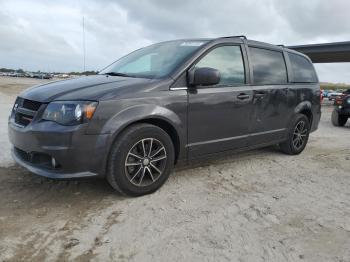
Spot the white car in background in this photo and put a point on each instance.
(332, 95)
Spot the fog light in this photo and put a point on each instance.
(340, 107)
(53, 162)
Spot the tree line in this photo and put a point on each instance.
(10, 70)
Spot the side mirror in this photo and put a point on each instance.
(203, 76)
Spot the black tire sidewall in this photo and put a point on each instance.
(337, 119)
(116, 173)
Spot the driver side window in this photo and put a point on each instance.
(229, 61)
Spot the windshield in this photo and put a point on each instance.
(155, 61)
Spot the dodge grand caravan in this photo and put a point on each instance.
(167, 103)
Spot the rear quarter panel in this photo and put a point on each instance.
(306, 97)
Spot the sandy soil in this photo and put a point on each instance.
(254, 206)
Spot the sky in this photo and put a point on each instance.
(47, 35)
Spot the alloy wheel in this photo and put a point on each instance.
(299, 135)
(145, 162)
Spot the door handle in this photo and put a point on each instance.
(243, 96)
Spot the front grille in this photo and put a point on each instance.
(31, 105)
(22, 119)
(25, 110)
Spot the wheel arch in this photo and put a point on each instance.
(163, 124)
(305, 109)
(150, 114)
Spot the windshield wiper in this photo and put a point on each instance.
(117, 74)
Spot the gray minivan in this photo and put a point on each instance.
(165, 104)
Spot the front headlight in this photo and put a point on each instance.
(69, 113)
(348, 100)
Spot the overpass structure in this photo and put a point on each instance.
(325, 53)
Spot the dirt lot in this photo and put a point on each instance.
(255, 206)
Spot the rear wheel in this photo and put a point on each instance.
(141, 160)
(338, 120)
(298, 136)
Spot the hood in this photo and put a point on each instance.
(83, 88)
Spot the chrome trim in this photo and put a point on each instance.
(25, 111)
(16, 125)
(234, 137)
(178, 88)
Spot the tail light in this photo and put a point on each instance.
(339, 100)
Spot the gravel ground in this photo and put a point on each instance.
(255, 206)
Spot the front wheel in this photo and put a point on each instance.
(298, 135)
(338, 120)
(141, 160)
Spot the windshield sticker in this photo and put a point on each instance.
(192, 43)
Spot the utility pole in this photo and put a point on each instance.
(84, 50)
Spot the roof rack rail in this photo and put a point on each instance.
(240, 36)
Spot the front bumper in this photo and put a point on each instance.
(343, 111)
(48, 172)
(76, 154)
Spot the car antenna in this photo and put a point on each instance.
(84, 49)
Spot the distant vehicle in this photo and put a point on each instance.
(341, 111)
(347, 92)
(325, 93)
(171, 102)
(63, 76)
(46, 76)
(321, 95)
(42, 75)
(332, 95)
(37, 75)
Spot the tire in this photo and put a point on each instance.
(134, 166)
(338, 120)
(298, 135)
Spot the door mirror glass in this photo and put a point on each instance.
(203, 76)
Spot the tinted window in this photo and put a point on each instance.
(268, 66)
(303, 70)
(228, 60)
(155, 61)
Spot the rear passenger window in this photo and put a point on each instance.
(303, 71)
(228, 60)
(269, 67)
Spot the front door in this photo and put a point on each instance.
(219, 116)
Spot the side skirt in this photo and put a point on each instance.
(227, 153)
